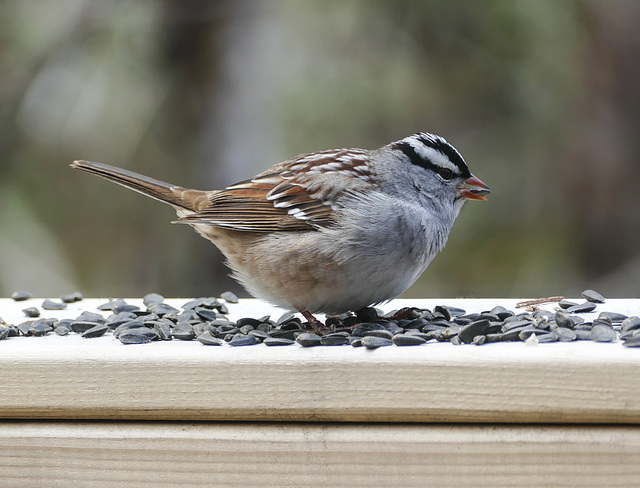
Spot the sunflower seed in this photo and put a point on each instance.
(206, 313)
(95, 331)
(548, 337)
(456, 311)
(479, 340)
(603, 333)
(248, 321)
(463, 320)
(152, 299)
(20, 296)
(408, 340)
(582, 308)
(293, 324)
(163, 330)
(385, 334)
(62, 329)
(72, 297)
(208, 340)
(278, 341)
(191, 304)
(443, 311)
(451, 331)
(515, 325)
(567, 321)
(583, 335)
(134, 338)
(243, 340)
(111, 303)
(31, 312)
(245, 329)
(633, 341)
(592, 296)
(90, 317)
(128, 325)
(630, 323)
(564, 335)
(367, 314)
(416, 323)
(51, 305)
(564, 304)
(187, 316)
(334, 340)
(183, 331)
(261, 335)
(162, 309)
(124, 307)
(81, 326)
(528, 332)
(493, 337)
(202, 327)
(374, 342)
(146, 331)
(39, 328)
(468, 332)
(227, 329)
(24, 327)
(501, 312)
(229, 296)
(489, 316)
(612, 317)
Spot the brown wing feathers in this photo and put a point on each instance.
(246, 209)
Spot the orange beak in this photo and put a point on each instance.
(473, 189)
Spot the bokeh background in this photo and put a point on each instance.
(542, 97)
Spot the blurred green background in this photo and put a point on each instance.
(542, 98)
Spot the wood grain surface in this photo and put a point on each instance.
(166, 414)
(118, 455)
(75, 378)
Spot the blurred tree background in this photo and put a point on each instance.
(542, 97)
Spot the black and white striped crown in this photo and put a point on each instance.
(433, 152)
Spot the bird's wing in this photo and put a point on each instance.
(298, 194)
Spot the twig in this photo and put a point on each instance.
(538, 301)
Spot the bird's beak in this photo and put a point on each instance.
(473, 189)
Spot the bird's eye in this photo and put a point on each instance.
(445, 173)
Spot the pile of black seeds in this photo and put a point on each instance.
(205, 320)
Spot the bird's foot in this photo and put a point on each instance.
(405, 313)
(317, 326)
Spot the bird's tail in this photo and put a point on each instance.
(165, 192)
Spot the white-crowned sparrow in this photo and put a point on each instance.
(330, 231)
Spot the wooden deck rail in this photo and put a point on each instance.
(95, 412)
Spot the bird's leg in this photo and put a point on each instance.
(315, 324)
